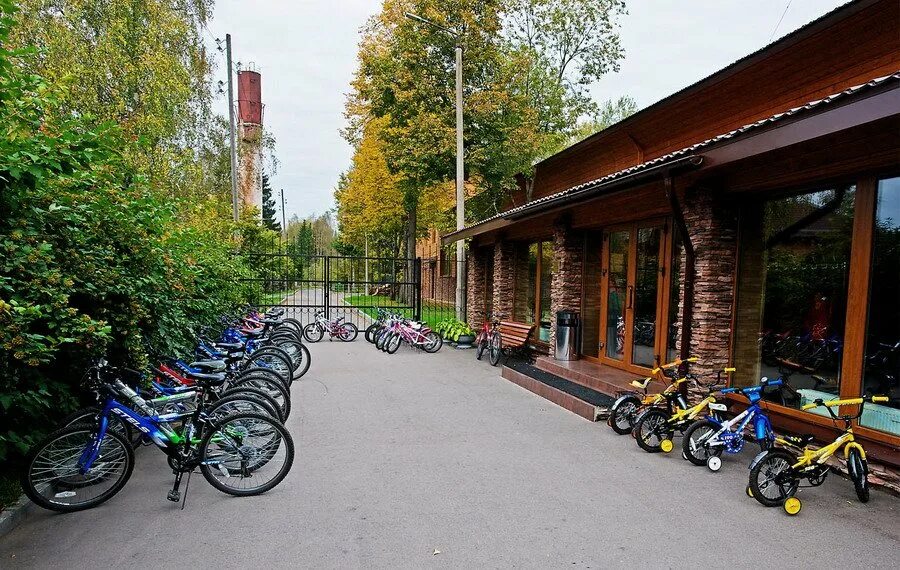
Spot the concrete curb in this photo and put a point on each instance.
(15, 514)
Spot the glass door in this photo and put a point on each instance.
(632, 284)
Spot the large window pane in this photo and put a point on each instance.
(526, 283)
(590, 315)
(617, 293)
(646, 291)
(882, 367)
(546, 268)
(792, 292)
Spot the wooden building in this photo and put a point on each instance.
(750, 219)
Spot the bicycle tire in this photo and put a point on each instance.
(207, 469)
(255, 392)
(242, 402)
(859, 474)
(313, 332)
(299, 355)
(699, 455)
(272, 387)
(350, 336)
(496, 348)
(774, 458)
(659, 418)
(392, 344)
(90, 415)
(622, 418)
(480, 348)
(369, 333)
(29, 487)
(437, 341)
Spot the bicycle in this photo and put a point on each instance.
(705, 440)
(630, 404)
(314, 331)
(415, 334)
(656, 427)
(83, 465)
(775, 474)
(489, 328)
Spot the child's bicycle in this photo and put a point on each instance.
(706, 439)
(336, 328)
(775, 474)
(630, 404)
(656, 427)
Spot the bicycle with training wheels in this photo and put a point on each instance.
(83, 465)
(336, 328)
(775, 474)
(630, 404)
(705, 440)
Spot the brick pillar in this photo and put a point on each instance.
(523, 284)
(712, 225)
(504, 277)
(476, 267)
(566, 281)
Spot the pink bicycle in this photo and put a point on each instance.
(336, 328)
(415, 334)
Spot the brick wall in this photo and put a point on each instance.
(504, 277)
(712, 226)
(568, 266)
(475, 285)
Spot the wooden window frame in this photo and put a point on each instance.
(855, 324)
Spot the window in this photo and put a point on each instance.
(792, 292)
(881, 376)
(534, 270)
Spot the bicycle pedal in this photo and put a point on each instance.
(174, 496)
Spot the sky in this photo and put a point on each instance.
(306, 53)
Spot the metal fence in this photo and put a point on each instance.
(353, 287)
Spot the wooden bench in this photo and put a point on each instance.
(513, 338)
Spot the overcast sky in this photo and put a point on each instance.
(306, 52)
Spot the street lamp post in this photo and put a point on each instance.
(460, 171)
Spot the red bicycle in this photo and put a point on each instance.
(489, 336)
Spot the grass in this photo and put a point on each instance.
(432, 313)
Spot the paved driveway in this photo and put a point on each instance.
(402, 456)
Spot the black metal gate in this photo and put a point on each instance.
(353, 287)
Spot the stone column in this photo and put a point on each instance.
(567, 271)
(476, 266)
(504, 277)
(712, 224)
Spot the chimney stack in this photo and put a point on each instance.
(250, 117)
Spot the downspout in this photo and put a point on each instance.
(687, 314)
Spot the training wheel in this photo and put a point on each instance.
(749, 491)
(792, 505)
(714, 463)
(666, 445)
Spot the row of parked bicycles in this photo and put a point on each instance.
(783, 463)
(390, 330)
(222, 413)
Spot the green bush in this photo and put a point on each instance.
(92, 260)
(452, 329)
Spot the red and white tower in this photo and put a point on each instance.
(250, 117)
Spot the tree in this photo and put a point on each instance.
(610, 113)
(268, 206)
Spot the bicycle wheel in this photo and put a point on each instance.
(392, 344)
(275, 361)
(313, 332)
(650, 430)
(273, 388)
(290, 324)
(255, 392)
(621, 419)
(694, 440)
(480, 347)
(772, 480)
(496, 348)
(347, 332)
(858, 469)
(246, 454)
(53, 478)
(434, 343)
(382, 338)
(299, 355)
(237, 402)
(370, 331)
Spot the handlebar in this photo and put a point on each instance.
(846, 402)
(673, 364)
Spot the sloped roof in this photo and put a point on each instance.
(686, 153)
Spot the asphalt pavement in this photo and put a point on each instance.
(434, 461)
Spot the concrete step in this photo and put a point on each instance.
(604, 379)
(576, 398)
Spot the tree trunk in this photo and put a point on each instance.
(529, 188)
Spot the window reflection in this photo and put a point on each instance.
(882, 366)
(792, 292)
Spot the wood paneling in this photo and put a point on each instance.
(833, 58)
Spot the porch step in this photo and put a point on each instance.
(576, 398)
(598, 377)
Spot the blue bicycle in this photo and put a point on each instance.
(705, 440)
(80, 466)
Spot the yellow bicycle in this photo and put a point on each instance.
(629, 405)
(656, 427)
(775, 474)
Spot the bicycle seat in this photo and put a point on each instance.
(801, 440)
(209, 366)
(230, 345)
(216, 379)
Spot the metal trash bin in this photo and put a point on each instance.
(566, 335)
